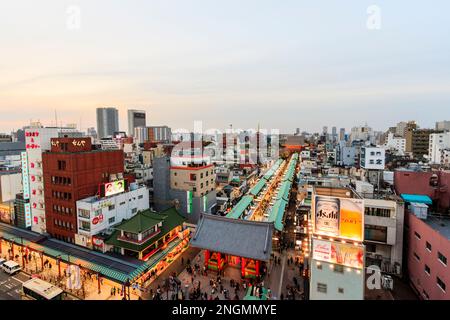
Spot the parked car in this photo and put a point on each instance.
(11, 267)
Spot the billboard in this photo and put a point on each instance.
(112, 188)
(338, 217)
(343, 254)
(25, 181)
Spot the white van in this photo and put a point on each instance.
(11, 267)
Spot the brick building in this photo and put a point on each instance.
(73, 170)
(434, 184)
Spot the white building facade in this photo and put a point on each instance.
(37, 140)
(396, 143)
(97, 215)
(439, 143)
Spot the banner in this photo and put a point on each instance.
(343, 254)
(338, 217)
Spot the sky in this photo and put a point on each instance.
(282, 64)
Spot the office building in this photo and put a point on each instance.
(98, 214)
(418, 141)
(107, 122)
(439, 144)
(136, 118)
(72, 170)
(337, 250)
(37, 141)
(160, 134)
(443, 126)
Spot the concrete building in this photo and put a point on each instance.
(373, 158)
(72, 170)
(439, 143)
(140, 135)
(402, 127)
(107, 122)
(37, 141)
(363, 133)
(443, 126)
(431, 183)
(418, 141)
(10, 185)
(383, 232)
(99, 214)
(342, 134)
(397, 144)
(427, 256)
(159, 134)
(188, 196)
(136, 118)
(337, 250)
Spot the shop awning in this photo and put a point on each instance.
(240, 207)
(418, 198)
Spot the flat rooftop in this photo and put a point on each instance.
(441, 225)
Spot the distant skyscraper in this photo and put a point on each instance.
(107, 122)
(443, 125)
(334, 134)
(325, 130)
(136, 118)
(342, 134)
(140, 135)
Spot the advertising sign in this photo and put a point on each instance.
(189, 201)
(339, 217)
(115, 187)
(343, 254)
(25, 181)
(27, 207)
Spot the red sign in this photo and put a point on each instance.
(98, 219)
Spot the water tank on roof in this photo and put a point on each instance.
(420, 210)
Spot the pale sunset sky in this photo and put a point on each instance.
(283, 64)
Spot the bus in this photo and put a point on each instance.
(38, 289)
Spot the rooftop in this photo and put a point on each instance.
(242, 238)
(440, 224)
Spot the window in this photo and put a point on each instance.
(61, 165)
(319, 266)
(111, 207)
(375, 233)
(378, 212)
(321, 287)
(122, 203)
(417, 235)
(338, 268)
(425, 295)
(416, 256)
(371, 248)
(427, 269)
(134, 210)
(111, 220)
(341, 290)
(440, 283)
(442, 258)
(428, 246)
(193, 177)
(83, 213)
(140, 197)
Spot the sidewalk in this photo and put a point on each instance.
(33, 267)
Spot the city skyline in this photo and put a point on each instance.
(228, 63)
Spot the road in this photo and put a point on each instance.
(10, 286)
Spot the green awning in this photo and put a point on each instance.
(277, 213)
(240, 207)
(258, 187)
